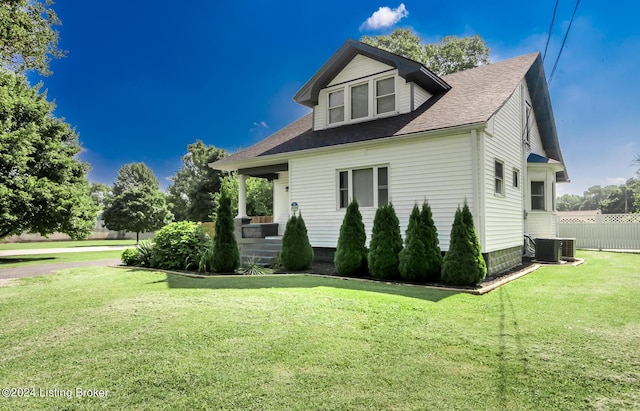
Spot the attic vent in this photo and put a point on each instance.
(569, 249)
(548, 249)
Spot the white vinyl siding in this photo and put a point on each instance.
(419, 96)
(359, 67)
(503, 213)
(281, 203)
(436, 169)
(535, 141)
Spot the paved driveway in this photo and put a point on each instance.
(36, 270)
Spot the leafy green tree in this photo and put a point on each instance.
(27, 38)
(137, 204)
(429, 236)
(191, 193)
(351, 253)
(463, 262)
(99, 193)
(385, 244)
(449, 55)
(226, 256)
(43, 185)
(452, 54)
(403, 42)
(568, 202)
(296, 253)
(413, 258)
(259, 194)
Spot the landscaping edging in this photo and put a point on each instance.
(477, 291)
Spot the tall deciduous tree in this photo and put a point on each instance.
(137, 204)
(43, 185)
(449, 55)
(191, 194)
(27, 38)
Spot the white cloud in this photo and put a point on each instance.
(385, 17)
(260, 124)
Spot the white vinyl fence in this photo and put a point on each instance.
(602, 231)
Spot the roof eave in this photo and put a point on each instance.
(408, 69)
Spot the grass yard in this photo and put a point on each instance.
(39, 259)
(559, 338)
(65, 244)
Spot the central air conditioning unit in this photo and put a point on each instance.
(569, 249)
(548, 249)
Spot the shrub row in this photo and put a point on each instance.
(420, 259)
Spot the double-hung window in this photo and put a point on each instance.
(336, 106)
(368, 186)
(361, 99)
(499, 177)
(385, 95)
(537, 195)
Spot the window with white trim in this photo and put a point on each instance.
(385, 95)
(336, 106)
(369, 186)
(537, 195)
(360, 100)
(498, 168)
(516, 178)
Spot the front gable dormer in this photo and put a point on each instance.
(361, 83)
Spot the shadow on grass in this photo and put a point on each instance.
(22, 259)
(305, 281)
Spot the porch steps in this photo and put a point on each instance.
(261, 251)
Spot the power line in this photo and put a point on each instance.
(555, 65)
(553, 18)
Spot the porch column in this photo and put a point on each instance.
(242, 196)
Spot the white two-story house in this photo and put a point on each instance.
(384, 129)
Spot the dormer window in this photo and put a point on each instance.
(360, 100)
(336, 106)
(385, 95)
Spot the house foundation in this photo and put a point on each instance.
(503, 260)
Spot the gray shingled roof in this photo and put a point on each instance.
(475, 95)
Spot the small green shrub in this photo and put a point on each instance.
(297, 253)
(130, 257)
(413, 258)
(463, 262)
(226, 256)
(429, 237)
(351, 252)
(179, 246)
(145, 252)
(385, 245)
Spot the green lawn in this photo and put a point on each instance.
(559, 338)
(39, 259)
(65, 244)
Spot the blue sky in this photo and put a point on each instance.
(145, 78)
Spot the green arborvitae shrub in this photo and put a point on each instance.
(179, 246)
(226, 256)
(429, 237)
(130, 257)
(413, 258)
(463, 263)
(351, 254)
(297, 253)
(385, 244)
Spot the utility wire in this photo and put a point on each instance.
(553, 18)
(555, 65)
